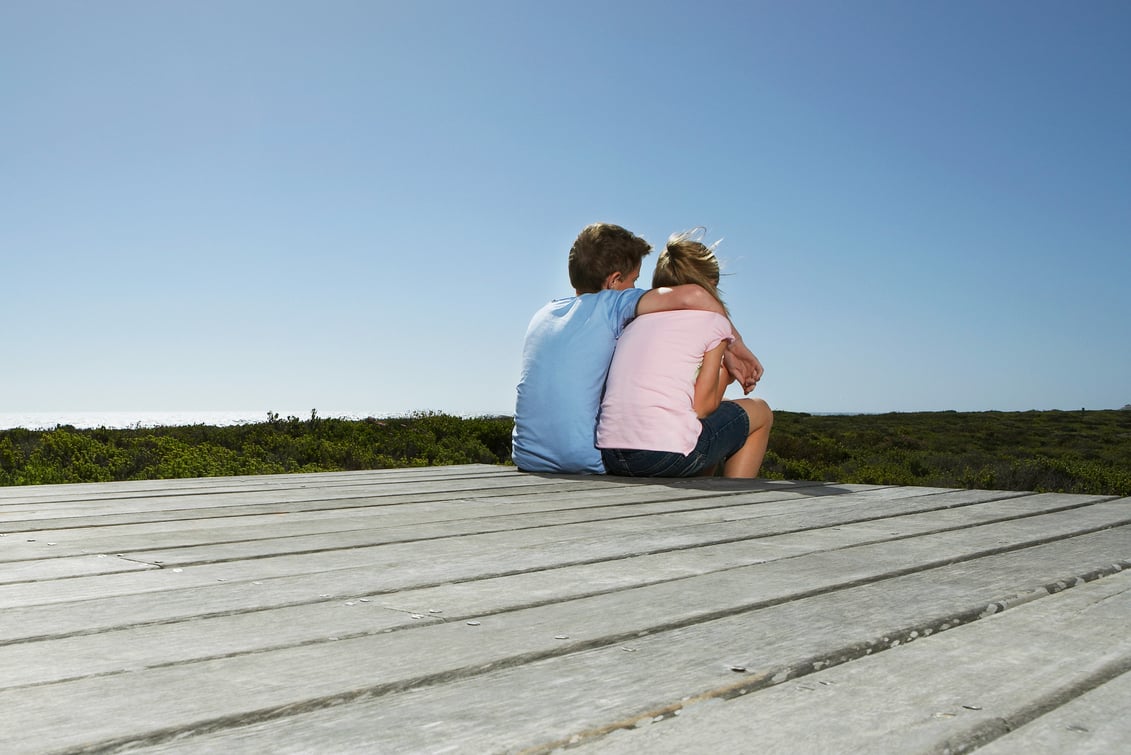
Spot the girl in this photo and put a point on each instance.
(663, 413)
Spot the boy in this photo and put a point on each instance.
(569, 345)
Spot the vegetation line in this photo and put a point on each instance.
(1085, 452)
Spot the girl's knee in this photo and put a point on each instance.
(758, 411)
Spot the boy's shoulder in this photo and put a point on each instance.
(615, 298)
(605, 311)
(606, 299)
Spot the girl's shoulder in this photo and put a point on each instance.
(688, 315)
(689, 321)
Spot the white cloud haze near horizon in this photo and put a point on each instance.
(355, 207)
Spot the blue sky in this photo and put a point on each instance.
(356, 206)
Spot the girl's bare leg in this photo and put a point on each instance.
(748, 460)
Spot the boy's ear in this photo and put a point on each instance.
(612, 281)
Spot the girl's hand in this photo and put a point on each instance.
(743, 365)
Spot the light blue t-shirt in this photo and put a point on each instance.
(565, 360)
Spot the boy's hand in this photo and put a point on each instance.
(743, 365)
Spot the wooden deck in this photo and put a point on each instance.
(479, 609)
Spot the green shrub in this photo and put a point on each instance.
(317, 444)
(1072, 452)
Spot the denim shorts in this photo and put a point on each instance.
(724, 433)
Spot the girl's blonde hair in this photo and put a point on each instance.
(686, 259)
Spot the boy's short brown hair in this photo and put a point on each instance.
(600, 250)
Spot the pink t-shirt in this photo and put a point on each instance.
(650, 392)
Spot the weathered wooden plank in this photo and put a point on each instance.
(552, 492)
(110, 510)
(496, 554)
(285, 479)
(236, 507)
(545, 585)
(97, 491)
(1094, 722)
(694, 524)
(530, 677)
(726, 513)
(561, 575)
(950, 693)
(209, 597)
(394, 524)
(65, 568)
(498, 478)
(478, 556)
(537, 507)
(136, 646)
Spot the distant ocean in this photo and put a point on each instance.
(122, 419)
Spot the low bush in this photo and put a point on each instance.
(66, 454)
(1070, 452)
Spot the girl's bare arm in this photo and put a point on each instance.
(710, 384)
(687, 296)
